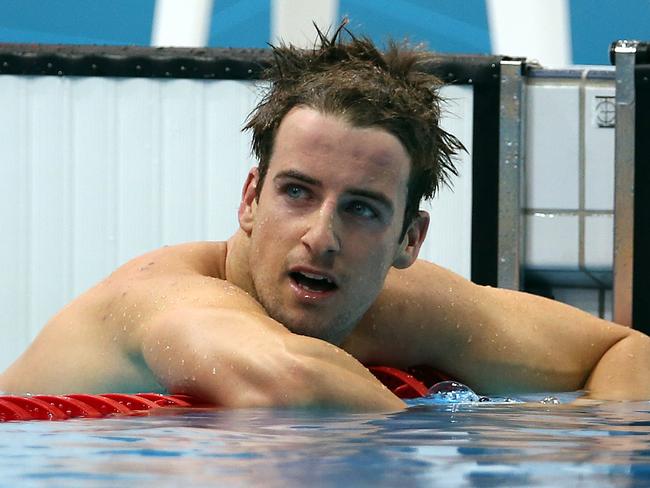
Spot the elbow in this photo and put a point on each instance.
(623, 372)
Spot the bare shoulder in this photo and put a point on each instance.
(103, 328)
(204, 258)
(181, 276)
(420, 299)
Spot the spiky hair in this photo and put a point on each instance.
(349, 77)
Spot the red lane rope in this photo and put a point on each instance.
(78, 405)
(401, 383)
(63, 407)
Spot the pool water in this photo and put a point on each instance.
(496, 443)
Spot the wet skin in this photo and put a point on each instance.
(326, 226)
(319, 262)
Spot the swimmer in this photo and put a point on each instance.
(322, 275)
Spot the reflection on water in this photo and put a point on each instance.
(476, 444)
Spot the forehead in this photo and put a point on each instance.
(317, 141)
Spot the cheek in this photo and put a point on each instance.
(266, 228)
(269, 240)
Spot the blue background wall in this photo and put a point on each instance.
(443, 25)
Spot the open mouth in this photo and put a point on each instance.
(313, 282)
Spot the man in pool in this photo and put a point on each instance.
(322, 275)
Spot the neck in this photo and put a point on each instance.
(237, 262)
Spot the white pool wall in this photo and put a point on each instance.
(96, 171)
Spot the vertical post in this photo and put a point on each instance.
(510, 220)
(537, 30)
(181, 23)
(625, 59)
(292, 21)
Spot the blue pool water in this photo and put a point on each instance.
(498, 443)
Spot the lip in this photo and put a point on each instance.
(304, 294)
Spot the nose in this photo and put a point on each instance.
(321, 235)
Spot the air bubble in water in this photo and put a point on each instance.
(452, 392)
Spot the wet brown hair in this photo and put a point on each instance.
(354, 80)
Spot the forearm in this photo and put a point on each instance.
(530, 343)
(280, 379)
(623, 372)
(329, 376)
(241, 360)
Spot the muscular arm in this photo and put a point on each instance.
(239, 358)
(500, 341)
(166, 321)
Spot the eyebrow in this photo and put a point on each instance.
(362, 192)
(297, 175)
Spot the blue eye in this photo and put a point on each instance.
(294, 191)
(360, 209)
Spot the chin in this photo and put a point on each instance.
(314, 323)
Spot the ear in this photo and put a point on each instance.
(248, 203)
(409, 248)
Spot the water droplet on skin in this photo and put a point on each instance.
(214, 370)
(167, 348)
(193, 378)
(469, 340)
